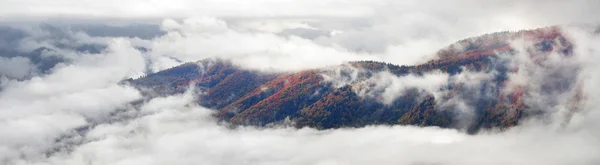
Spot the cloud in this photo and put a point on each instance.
(588, 56)
(35, 112)
(16, 67)
(185, 8)
(173, 131)
(504, 11)
(199, 38)
(406, 32)
(28, 50)
(79, 113)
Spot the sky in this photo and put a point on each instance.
(50, 111)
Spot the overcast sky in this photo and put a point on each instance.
(401, 32)
(48, 96)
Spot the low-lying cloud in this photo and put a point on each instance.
(67, 105)
(40, 116)
(172, 131)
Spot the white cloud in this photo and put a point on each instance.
(36, 112)
(401, 32)
(16, 67)
(180, 134)
(186, 8)
(200, 38)
(389, 86)
(173, 130)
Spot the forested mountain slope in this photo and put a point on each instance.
(472, 84)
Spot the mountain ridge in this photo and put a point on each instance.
(350, 95)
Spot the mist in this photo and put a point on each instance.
(63, 100)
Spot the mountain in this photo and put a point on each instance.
(473, 84)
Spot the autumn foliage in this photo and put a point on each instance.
(249, 97)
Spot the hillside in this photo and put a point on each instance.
(468, 86)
